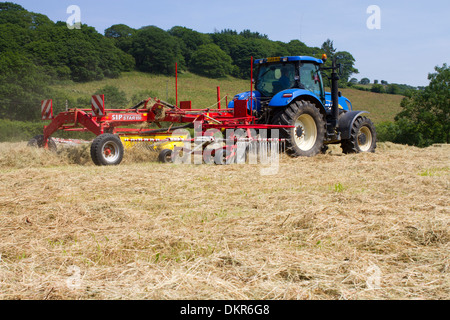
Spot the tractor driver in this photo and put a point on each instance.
(285, 81)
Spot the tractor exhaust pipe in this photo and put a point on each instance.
(335, 94)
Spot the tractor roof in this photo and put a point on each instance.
(289, 59)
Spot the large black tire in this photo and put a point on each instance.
(38, 142)
(363, 137)
(165, 156)
(306, 139)
(107, 150)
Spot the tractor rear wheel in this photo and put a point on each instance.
(306, 139)
(363, 137)
(107, 150)
(38, 142)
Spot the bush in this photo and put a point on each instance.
(209, 60)
(425, 118)
(156, 51)
(15, 131)
(378, 88)
(114, 98)
(143, 95)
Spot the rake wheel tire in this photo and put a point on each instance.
(38, 142)
(165, 156)
(363, 137)
(107, 150)
(306, 139)
(220, 158)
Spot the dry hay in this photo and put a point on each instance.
(367, 226)
(19, 155)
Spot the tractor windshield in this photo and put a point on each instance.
(274, 78)
(310, 78)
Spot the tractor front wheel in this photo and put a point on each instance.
(363, 137)
(306, 139)
(107, 150)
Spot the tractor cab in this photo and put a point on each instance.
(289, 73)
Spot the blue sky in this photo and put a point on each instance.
(413, 39)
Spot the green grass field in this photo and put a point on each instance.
(203, 91)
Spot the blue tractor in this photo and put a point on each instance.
(289, 91)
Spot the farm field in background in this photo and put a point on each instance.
(365, 226)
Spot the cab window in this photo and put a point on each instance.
(274, 78)
(310, 78)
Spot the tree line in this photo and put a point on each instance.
(382, 87)
(217, 54)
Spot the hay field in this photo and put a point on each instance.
(367, 226)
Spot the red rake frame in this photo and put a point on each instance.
(99, 120)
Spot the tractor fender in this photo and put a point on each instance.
(246, 96)
(346, 121)
(344, 103)
(280, 99)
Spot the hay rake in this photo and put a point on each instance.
(221, 136)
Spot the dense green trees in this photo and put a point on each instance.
(22, 86)
(425, 118)
(189, 41)
(79, 55)
(364, 81)
(85, 55)
(427, 112)
(156, 51)
(209, 60)
(35, 52)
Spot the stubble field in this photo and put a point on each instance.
(367, 226)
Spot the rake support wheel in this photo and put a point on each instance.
(107, 150)
(38, 142)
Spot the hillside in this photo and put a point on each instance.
(365, 226)
(203, 93)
